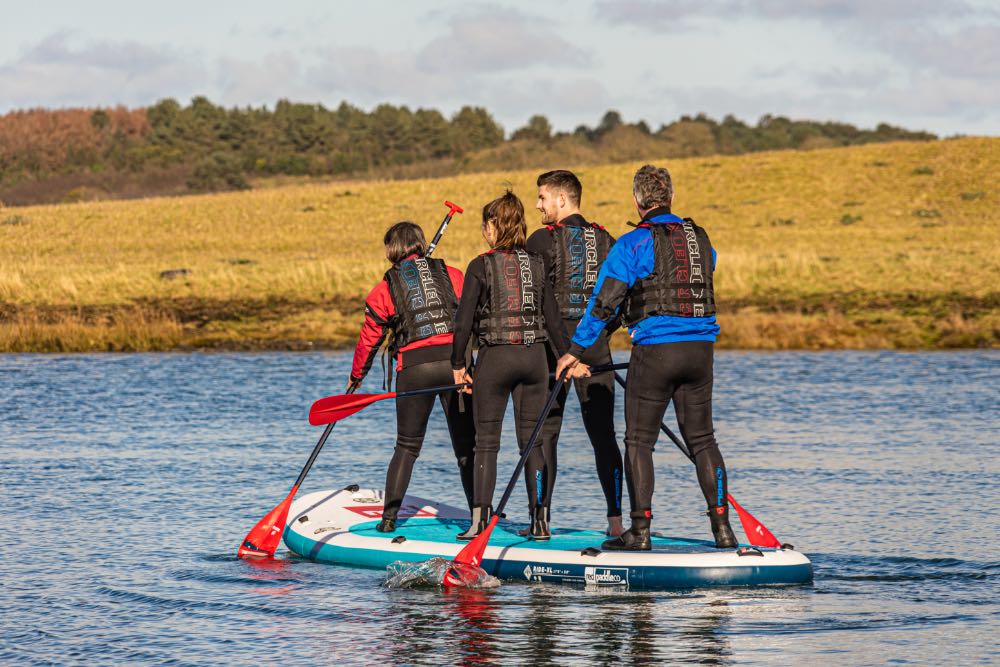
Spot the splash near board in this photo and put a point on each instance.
(338, 526)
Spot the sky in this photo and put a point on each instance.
(922, 64)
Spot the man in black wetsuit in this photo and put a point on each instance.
(573, 250)
(658, 279)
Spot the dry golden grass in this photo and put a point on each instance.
(888, 245)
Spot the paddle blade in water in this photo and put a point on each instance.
(472, 553)
(437, 572)
(757, 533)
(263, 539)
(335, 408)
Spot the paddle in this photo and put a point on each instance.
(332, 409)
(335, 408)
(452, 210)
(757, 533)
(472, 553)
(263, 539)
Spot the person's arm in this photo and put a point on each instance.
(374, 329)
(626, 263)
(553, 322)
(465, 316)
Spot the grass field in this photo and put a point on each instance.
(880, 246)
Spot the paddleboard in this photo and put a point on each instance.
(338, 526)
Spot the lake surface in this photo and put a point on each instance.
(129, 481)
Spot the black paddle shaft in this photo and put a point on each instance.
(663, 427)
(560, 385)
(329, 427)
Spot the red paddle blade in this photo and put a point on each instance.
(263, 539)
(757, 533)
(335, 408)
(472, 553)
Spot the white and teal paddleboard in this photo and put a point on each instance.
(339, 527)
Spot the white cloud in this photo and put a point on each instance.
(58, 70)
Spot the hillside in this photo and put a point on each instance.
(878, 246)
(51, 156)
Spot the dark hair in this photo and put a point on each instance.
(565, 181)
(653, 187)
(506, 212)
(402, 240)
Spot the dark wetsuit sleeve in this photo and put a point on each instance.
(540, 243)
(553, 322)
(465, 316)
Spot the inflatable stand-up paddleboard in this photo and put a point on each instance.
(338, 526)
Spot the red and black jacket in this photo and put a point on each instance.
(382, 318)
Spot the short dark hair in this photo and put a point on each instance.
(506, 212)
(563, 180)
(653, 187)
(404, 239)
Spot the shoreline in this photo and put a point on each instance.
(830, 322)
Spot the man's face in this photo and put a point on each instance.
(549, 204)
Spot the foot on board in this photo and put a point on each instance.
(721, 530)
(635, 538)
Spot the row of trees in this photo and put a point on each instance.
(222, 148)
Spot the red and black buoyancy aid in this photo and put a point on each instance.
(577, 254)
(424, 299)
(512, 313)
(681, 282)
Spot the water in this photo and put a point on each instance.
(128, 482)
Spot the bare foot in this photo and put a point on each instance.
(615, 527)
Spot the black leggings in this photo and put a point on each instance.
(503, 370)
(597, 407)
(411, 423)
(657, 374)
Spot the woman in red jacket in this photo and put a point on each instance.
(415, 305)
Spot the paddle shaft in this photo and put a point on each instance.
(560, 385)
(329, 427)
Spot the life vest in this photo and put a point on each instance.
(424, 299)
(512, 315)
(578, 252)
(681, 282)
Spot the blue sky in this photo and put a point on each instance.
(923, 64)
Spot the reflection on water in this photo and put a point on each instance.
(129, 481)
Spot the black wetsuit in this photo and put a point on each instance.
(412, 414)
(596, 395)
(681, 372)
(502, 371)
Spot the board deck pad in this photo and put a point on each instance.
(338, 526)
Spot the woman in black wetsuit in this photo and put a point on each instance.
(506, 301)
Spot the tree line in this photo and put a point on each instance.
(210, 147)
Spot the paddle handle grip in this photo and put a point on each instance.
(553, 395)
(452, 210)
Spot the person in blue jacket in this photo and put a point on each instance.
(658, 280)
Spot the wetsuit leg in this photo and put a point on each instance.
(648, 389)
(597, 407)
(550, 435)
(412, 414)
(693, 405)
(492, 386)
(462, 429)
(530, 395)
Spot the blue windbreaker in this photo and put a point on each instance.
(630, 260)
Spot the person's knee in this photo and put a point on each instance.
(409, 445)
(701, 443)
